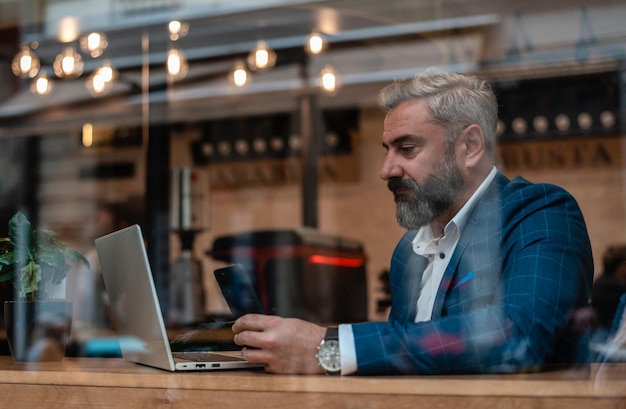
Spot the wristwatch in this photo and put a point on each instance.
(328, 352)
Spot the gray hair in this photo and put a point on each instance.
(455, 101)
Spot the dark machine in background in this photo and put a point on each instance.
(301, 273)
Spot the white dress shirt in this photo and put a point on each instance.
(437, 251)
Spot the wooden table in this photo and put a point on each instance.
(113, 383)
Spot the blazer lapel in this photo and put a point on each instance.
(405, 286)
(413, 276)
(449, 276)
(487, 207)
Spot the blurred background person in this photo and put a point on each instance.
(86, 288)
(607, 290)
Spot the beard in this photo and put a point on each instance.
(427, 202)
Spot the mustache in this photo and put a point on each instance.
(397, 183)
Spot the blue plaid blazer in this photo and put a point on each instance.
(521, 268)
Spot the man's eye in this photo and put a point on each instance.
(407, 149)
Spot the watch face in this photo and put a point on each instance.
(328, 356)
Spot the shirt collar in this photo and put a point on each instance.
(460, 218)
(424, 244)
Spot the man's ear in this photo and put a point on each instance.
(474, 145)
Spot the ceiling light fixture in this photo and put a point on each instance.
(315, 43)
(68, 64)
(41, 85)
(94, 44)
(328, 80)
(101, 80)
(239, 75)
(25, 64)
(177, 66)
(68, 29)
(177, 29)
(261, 57)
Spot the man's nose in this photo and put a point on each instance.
(389, 169)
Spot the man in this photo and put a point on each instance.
(487, 275)
(608, 289)
(85, 287)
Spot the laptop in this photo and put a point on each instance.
(137, 313)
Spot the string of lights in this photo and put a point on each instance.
(69, 63)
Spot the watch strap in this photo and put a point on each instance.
(332, 334)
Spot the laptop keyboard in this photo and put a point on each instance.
(202, 356)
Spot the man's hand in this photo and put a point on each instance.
(284, 345)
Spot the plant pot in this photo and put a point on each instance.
(38, 331)
(6, 294)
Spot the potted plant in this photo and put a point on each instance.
(33, 260)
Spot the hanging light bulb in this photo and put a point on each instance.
(177, 66)
(101, 80)
(177, 29)
(25, 64)
(96, 84)
(107, 72)
(239, 76)
(87, 135)
(328, 80)
(261, 57)
(94, 44)
(315, 43)
(41, 85)
(69, 63)
(68, 29)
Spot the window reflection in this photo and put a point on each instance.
(68, 151)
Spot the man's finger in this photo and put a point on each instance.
(247, 338)
(251, 322)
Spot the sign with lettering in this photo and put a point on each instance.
(571, 153)
(280, 172)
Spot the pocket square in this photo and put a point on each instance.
(464, 280)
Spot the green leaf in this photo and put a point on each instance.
(44, 239)
(59, 273)
(30, 276)
(51, 258)
(7, 257)
(32, 258)
(22, 238)
(19, 228)
(76, 257)
(7, 274)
